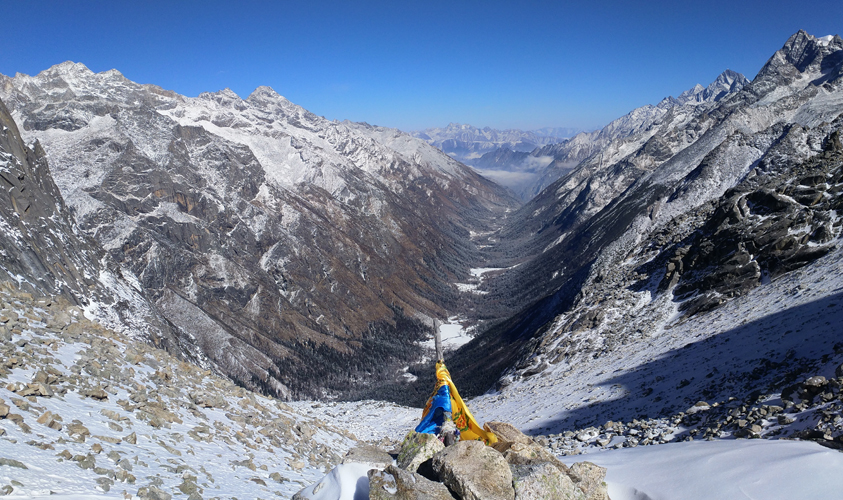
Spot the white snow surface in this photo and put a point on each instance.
(344, 482)
(733, 470)
(452, 333)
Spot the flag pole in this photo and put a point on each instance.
(437, 337)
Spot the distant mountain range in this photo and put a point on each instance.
(467, 143)
(508, 158)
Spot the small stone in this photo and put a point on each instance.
(12, 463)
(153, 493)
(815, 382)
(131, 438)
(97, 393)
(278, 478)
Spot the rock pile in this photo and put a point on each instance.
(810, 410)
(516, 468)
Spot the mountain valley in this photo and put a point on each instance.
(246, 288)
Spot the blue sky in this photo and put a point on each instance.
(413, 65)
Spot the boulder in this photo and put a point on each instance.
(816, 382)
(507, 435)
(591, 479)
(474, 471)
(364, 453)
(416, 449)
(544, 481)
(532, 454)
(397, 483)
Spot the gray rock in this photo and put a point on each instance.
(474, 471)
(12, 463)
(367, 454)
(153, 493)
(532, 454)
(816, 382)
(399, 484)
(417, 448)
(507, 434)
(591, 479)
(543, 481)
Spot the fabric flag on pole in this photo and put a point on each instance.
(446, 398)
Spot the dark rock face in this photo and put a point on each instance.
(36, 221)
(770, 224)
(290, 253)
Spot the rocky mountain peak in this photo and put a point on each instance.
(224, 97)
(265, 92)
(267, 97)
(726, 82)
(804, 50)
(803, 60)
(68, 68)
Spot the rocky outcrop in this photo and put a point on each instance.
(777, 220)
(44, 251)
(416, 449)
(543, 481)
(472, 470)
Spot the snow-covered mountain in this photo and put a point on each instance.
(568, 154)
(43, 251)
(671, 221)
(282, 246)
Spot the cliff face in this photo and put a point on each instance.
(45, 252)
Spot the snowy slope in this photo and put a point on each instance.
(86, 412)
